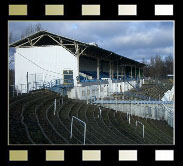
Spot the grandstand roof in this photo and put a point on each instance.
(43, 38)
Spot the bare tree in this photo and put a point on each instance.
(11, 39)
(38, 27)
(31, 29)
(157, 67)
(169, 64)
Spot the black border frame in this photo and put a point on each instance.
(73, 154)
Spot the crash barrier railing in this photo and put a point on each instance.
(169, 113)
(158, 110)
(142, 127)
(84, 124)
(131, 102)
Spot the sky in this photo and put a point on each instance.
(132, 39)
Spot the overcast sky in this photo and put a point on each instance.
(135, 40)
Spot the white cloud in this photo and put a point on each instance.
(131, 39)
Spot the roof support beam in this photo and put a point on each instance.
(60, 44)
(110, 66)
(30, 42)
(27, 42)
(77, 56)
(38, 40)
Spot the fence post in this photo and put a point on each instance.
(13, 90)
(21, 88)
(35, 82)
(131, 107)
(71, 128)
(17, 90)
(100, 112)
(102, 101)
(84, 133)
(55, 106)
(87, 94)
(27, 82)
(116, 102)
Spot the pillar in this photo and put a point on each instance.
(131, 72)
(135, 72)
(78, 64)
(77, 56)
(122, 74)
(125, 76)
(98, 68)
(117, 71)
(143, 72)
(110, 69)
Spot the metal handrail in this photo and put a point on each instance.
(142, 127)
(73, 117)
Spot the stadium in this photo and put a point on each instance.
(70, 92)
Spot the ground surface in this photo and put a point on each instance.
(32, 121)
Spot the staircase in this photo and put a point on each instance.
(85, 76)
(137, 87)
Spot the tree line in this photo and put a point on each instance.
(158, 67)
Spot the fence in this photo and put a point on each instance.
(101, 89)
(158, 110)
(38, 81)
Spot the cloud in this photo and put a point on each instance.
(133, 39)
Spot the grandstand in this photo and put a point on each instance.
(148, 91)
(44, 59)
(62, 83)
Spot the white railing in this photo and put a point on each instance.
(170, 115)
(73, 117)
(128, 117)
(142, 126)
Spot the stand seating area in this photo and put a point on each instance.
(33, 120)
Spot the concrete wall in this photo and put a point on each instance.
(50, 61)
